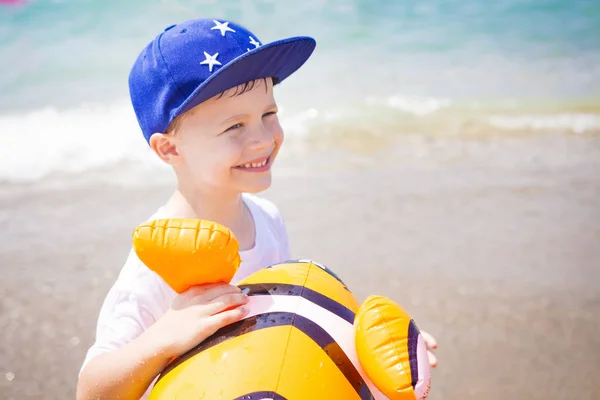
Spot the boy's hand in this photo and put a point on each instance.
(431, 344)
(196, 314)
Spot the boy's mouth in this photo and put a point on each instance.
(257, 165)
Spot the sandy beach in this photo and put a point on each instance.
(493, 245)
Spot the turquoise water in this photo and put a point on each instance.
(64, 52)
(65, 63)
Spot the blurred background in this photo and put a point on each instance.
(444, 153)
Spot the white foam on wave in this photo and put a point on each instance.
(46, 142)
(412, 105)
(49, 142)
(570, 122)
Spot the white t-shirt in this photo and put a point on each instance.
(139, 297)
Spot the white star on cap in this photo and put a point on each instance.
(254, 42)
(210, 60)
(222, 26)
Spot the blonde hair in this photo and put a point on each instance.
(239, 89)
(174, 125)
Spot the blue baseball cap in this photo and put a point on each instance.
(194, 60)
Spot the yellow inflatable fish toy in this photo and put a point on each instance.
(306, 337)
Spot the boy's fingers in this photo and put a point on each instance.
(225, 301)
(429, 340)
(205, 293)
(432, 359)
(218, 321)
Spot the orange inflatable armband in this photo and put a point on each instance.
(391, 349)
(187, 252)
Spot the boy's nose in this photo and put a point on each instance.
(261, 138)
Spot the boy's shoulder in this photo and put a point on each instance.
(134, 274)
(265, 206)
(271, 224)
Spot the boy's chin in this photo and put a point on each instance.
(257, 186)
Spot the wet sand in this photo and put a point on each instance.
(492, 245)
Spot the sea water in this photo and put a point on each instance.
(380, 66)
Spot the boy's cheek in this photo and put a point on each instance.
(279, 136)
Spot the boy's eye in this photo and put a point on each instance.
(236, 126)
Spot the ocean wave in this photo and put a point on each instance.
(572, 122)
(71, 141)
(52, 142)
(412, 105)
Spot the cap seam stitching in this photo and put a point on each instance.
(169, 70)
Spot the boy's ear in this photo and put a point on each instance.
(165, 147)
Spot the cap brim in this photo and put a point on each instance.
(278, 59)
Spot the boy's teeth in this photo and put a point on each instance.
(254, 165)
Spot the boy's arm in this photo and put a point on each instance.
(130, 351)
(124, 358)
(124, 373)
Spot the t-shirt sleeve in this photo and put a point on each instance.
(134, 302)
(277, 226)
(285, 242)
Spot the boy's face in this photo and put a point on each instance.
(227, 143)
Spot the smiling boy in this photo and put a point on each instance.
(202, 92)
